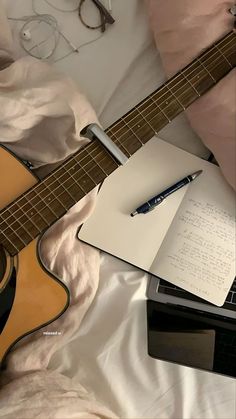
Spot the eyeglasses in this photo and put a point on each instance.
(105, 16)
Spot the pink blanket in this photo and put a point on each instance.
(182, 29)
(41, 116)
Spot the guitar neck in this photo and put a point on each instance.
(50, 199)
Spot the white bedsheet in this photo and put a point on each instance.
(108, 354)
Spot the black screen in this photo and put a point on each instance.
(191, 338)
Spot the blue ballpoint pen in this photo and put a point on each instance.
(156, 200)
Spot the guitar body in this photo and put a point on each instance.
(30, 296)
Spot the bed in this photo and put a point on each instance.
(107, 353)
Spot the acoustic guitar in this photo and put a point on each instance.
(31, 296)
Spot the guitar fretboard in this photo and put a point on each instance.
(50, 199)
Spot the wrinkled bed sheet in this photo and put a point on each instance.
(99, 363)
(40, 106)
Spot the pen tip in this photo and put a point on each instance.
(133, 213)
(196, 174)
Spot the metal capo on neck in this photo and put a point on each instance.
(94, 131)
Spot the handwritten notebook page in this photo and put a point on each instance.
(150, 170)
(150, 241)
(198, 252)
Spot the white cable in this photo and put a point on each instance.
(78, 48)
(51, 21)
(61, 10)
(47, 19)
(57, 27)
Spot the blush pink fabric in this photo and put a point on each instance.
(182, 29)
(41, 115)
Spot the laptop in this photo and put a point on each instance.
(187, 330)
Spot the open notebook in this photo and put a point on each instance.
(188, 240)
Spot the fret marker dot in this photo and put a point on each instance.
(31, 213)
(167, 102)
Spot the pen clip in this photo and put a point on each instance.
(157, 202)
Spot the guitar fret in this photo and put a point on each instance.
(15, 226)
(10, 239)
(71, 191)
(72, 185)
(157, 119)
(124, 136)
(230, 49)
(67, 175)
(176, 98)
(42, 207)
(189, 81)
(121, 145)
(223, 55)
(161, 110)
(12, 230)
(133, 120)
(127, 137)
(65, 195)
(86, 182)
(218, 67)
(74, 179)
(108, 161)
(50, 200)
(131, 129)
(95, 171)
(130, 139)
(145, 119)
(68, 192)
(97, 162)
(11, 247)
(182, 90)
(30, 213)
(206, 69)
(26, 221)
(167, 103)
(86, 172)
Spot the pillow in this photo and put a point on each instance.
(182, 29)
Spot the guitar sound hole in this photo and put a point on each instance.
(3, 263)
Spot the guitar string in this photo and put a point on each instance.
(155, 103)
(191, 65)
(149, 106)
(109, 130)
(190, 87)
(59, 168)
(56, 189)
(59, 186)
